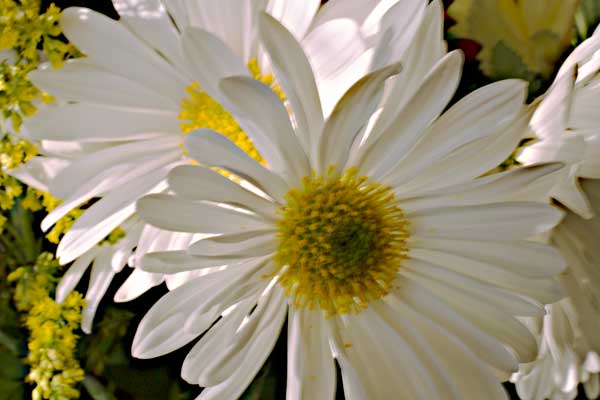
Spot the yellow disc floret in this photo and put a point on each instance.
(342, 239)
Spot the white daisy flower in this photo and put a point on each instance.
(381, 240)
(566, 129)
(150, 78)
(565, 358)
(566, 123)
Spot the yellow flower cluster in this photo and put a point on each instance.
(22, 30)
(52, 342)
(12, 154)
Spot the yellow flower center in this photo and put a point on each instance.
(200, 110)
(342, 239)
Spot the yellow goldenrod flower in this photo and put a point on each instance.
(52, 344)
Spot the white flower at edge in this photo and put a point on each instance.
(116, 123)
(566, 129)
(375, 231)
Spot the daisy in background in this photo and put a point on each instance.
(375, 231)
(566, 126)
(146, 81)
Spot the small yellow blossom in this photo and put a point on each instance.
(55, 370)
(519, 38)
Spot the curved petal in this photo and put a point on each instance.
(479, 114)
(196, 217)
(73, 275)
(266, 121)
(489, 222)
(210, 148)
(91, 123)
(350, 117)
(105, 215)
(426, 303)
(137, 284)
(198, 183)
(81, 81)
(311, 370)
(391, 146)
(160, 331)
(527, 258)
(295, 16)
(294, 73)
(100, 279)
(100, 38)
(210, 60)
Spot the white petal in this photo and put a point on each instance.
(310, 370)
(210, 59)
(469, 161)
(100, 279)
(38, 171)
(350, 117)
(174, 261)
(425, 302)
(493, 222)
(248, 349)
(197, 183)
(113, 179)
(90, 123)
(407, 128)
(339, 57)
(160, 331)
(498, 187)
(149, 20)
(530, 259)
(353, 386)
(265, 120)
(137, 284)
(196, 217)
(552, 116)
(416, 65)
(81, 81)
(84, 169)
(437, 375)
(214, 340)
(478, 291)
(581, 53)
(472, 377)
(295, 16)
(241, 245)
(108, 44)
(495, 321)
(401, 374)
(293, 72)
(104, 216)
(73, 275)
(210, 148)
(397, 31)
(479, 114)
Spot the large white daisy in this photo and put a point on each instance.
(566, 127)
(150, 78)
(374, 231)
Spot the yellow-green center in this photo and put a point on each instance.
(342, 239)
